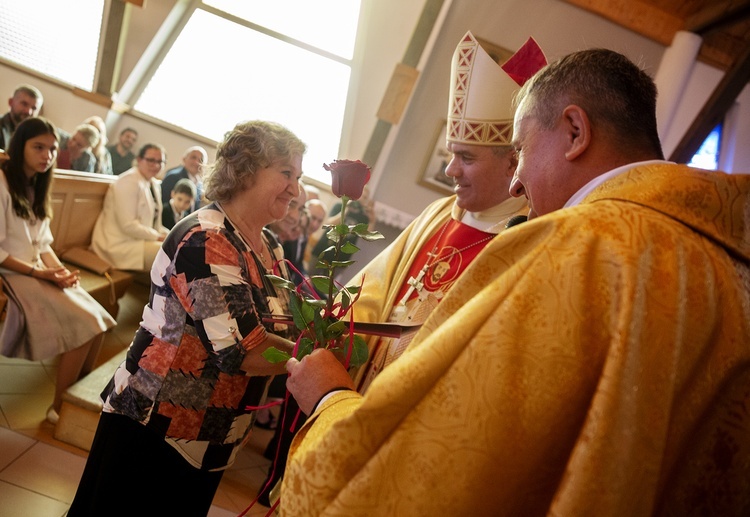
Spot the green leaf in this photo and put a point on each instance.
(349, 248)
(337, 328)
(302, 312)
(305, 347)
(361, 228)
(333, 235)
(360, 351)
(316, 304)
(352, 289)
(281, 283)
(321, 283)
(342, 263)
(329, 249)
(275, 356)
(371, 236)
(342, 229)
(346, 300)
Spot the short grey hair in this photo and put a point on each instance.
(248, 147)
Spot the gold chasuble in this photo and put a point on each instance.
(594, 361)
(407, 280)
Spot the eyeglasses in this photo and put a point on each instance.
(154, 161)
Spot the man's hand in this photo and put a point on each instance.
(314, 376)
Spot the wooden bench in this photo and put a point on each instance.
(77, 200)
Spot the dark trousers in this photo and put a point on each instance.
(131, 470)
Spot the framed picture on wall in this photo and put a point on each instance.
(433, 173)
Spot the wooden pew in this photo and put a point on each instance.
(77, 200)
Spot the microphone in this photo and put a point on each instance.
(516, 219)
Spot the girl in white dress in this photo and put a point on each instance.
(49, 314)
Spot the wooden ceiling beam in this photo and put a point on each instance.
(718, 15)
(637, 16)
(715, 108)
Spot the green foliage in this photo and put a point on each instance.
(274, 355)
(321, 321)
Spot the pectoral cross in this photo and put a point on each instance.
(415, 283)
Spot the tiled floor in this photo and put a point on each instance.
(39, 475)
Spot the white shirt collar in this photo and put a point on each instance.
(489, 220)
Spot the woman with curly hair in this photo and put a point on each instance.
(184, 401)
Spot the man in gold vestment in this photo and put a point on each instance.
(408, 279)
(592, 361)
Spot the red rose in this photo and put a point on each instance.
(349, 177)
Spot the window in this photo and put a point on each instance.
(707, 156)
(330, 25)
(59, 38)
(293, 70)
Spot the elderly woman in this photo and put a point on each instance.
(180, 406)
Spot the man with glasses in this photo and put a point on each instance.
(129, 233)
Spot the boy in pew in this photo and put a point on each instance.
(181, 198)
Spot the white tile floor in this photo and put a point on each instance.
(39, 475)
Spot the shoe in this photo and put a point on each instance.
(263, 499)
(52, 416)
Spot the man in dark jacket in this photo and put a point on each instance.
(26, 102)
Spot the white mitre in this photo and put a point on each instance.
(479, 109)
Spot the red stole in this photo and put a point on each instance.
(447, 254)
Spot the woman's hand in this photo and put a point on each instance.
(255, 364)
(61, 276)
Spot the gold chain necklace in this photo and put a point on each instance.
(259, 253)
(456, 252)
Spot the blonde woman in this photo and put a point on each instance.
(103, 163)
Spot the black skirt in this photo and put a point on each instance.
(132, 471)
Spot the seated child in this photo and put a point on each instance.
(181, 198)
